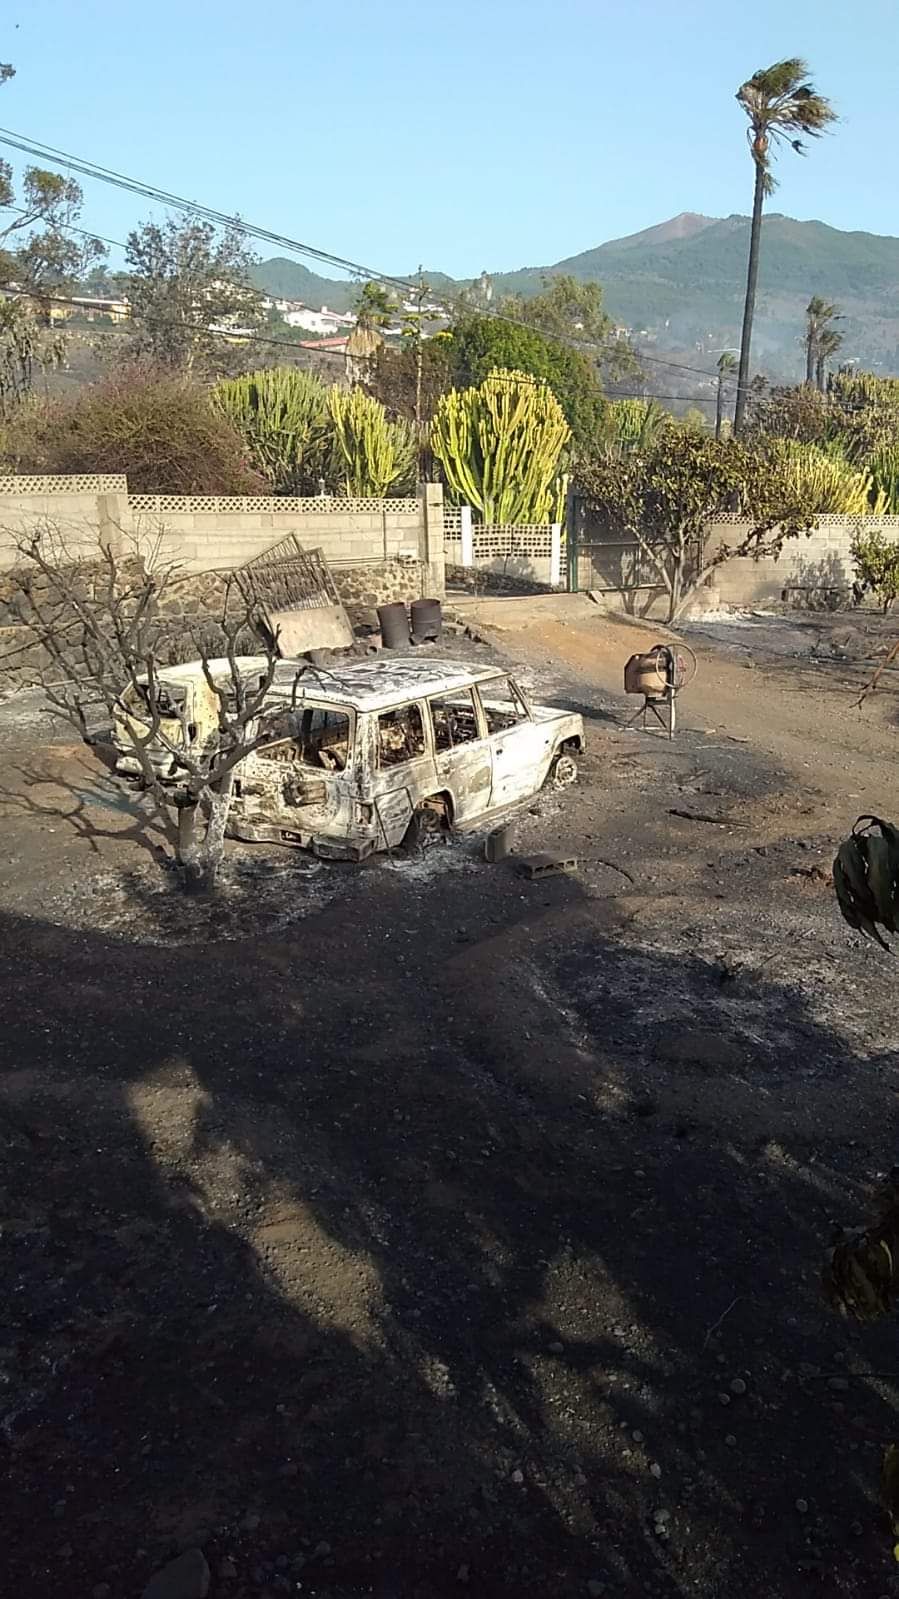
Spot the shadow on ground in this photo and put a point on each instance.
(374, 1260)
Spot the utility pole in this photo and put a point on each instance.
(420, 300)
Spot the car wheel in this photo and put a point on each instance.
(426, 824)
(563, 771)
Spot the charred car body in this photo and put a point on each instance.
(374, 754)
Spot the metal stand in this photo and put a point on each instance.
(666, 723)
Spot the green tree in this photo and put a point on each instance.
(829, 342)
(187, 282)
(283, 416)
(569, 309)
(480, 344)
(41, 256)
(782, 107)
(375, 307)
(663, 498)
(501, 447)
(818, 316)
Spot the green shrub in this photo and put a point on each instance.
(877, 563)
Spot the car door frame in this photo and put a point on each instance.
(506, 789)
(471, 798)
(414, 778)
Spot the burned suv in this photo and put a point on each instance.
(371, 755)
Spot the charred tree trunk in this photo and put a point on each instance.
(199, 856)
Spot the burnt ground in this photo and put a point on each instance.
(414, 1230)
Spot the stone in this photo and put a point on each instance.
(184, 1578)
(462, 1574)
(840, 1385)
(655, 1469)
(518, 1476)
(802, 1506)
(738, 1386)
(556, 1348)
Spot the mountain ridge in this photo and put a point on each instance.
(681, 282)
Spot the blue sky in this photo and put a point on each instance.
(480, 133)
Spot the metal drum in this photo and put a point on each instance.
(427, 620)
(394, 620)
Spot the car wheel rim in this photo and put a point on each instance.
(565, 772)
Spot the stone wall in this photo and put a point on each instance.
(363, 588)
(190, 611)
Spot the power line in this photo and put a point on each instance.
(102, 174)
(90, 169)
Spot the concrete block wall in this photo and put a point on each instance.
(809, 568)
(75, 514)
(215, 540)
(205, 533)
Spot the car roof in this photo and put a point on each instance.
(365, 685)
(377, 685)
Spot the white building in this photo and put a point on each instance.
(323, 321)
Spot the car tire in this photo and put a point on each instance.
(426, 823)
(563, 772)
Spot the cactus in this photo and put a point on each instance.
(500, 447)
(633, 424)
(884, 469)
(372, 455)
(827, 484)
(283, 416)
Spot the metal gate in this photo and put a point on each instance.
(601, 560)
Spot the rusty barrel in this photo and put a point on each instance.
(394, 620)
(427, 620)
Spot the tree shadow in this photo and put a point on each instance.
(42, 789)
(399, 1254)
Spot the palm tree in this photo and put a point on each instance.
(829, 341)
(727, 366)
(781, 106)
(818, 314)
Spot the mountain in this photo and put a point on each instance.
(683, 280)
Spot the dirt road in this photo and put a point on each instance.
(415, 1230)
